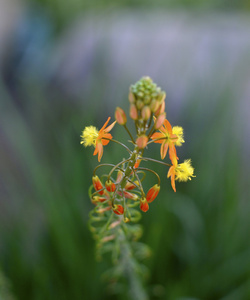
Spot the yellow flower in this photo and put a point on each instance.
(180, 172)
(184, 171)
(178, 131)
(89, 136)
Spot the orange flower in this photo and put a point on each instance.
(166, 138)
(101, 138)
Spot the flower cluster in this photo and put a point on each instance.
(121, 189)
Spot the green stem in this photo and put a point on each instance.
(146, 169)
(155, 160)
(117, 142)
(132, 139)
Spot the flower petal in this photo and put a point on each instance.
(164, 150)
(99, 150)
(168, 126)
(158, 135)
(105, 124)
(106, 136)
(110, 127)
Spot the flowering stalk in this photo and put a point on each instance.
(119, 195)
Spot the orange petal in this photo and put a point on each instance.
(170, 171)
(158, 135)
(99, 150)
(105, 124)
(110, 127)
(107, 136)
(168, 126)
(172, 154)
(164, 150)
(173, 182)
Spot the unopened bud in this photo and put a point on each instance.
(97, 199)
(137, 163)
(146, 113)
(119, 176)
(160, 109)
(139, 104)
(160, 120)
(144, 204)
(161, 97)
(128, 195)
(120, 116)
(133, 112)
(131, 97)
(154, 105)
(118, 209)
(141, 141)
(97, 184)
(130, 186)
(110, 186)
(152, 193)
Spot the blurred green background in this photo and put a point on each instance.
(68, 64)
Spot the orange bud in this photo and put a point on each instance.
(137, 163)
(120, 116)
(160, 109)
(130, 186)
(97, 199)
(97, 184)
(128, 195)
(119, 176)
(141, 141)
(118, 209)
(133, 112)
(154, 105)
(131, 97)
(144, 204)
(160, 120)
(110, 186)
(146, 113)
(152, 193)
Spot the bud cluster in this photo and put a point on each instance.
(145, 98)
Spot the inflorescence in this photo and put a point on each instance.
(121, 189)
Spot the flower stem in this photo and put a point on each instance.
(117, 142)
(132, 139)
(155, 160)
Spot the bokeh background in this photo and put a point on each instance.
(67, 64)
